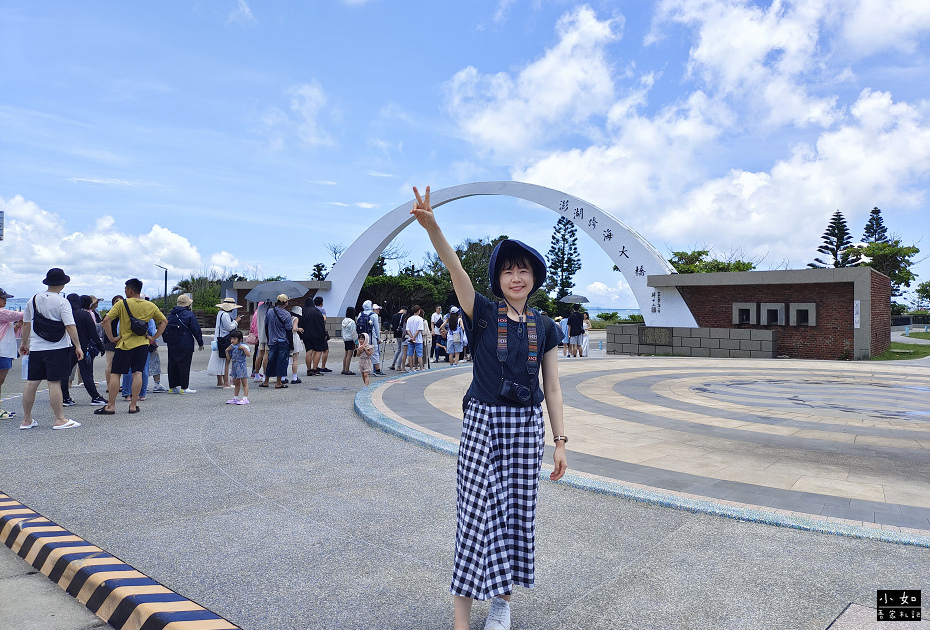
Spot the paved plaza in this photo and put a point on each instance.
(295, 512)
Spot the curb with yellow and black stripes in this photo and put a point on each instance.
(111, 589)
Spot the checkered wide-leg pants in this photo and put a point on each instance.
(500, 456)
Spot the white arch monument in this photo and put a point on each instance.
(632, 254)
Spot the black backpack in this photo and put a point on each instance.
(364, 324)
(172, 334)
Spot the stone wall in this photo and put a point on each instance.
(881, 314)
(831, 338)
(691, 342)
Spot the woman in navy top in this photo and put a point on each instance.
(503, 433)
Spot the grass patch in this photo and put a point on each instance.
(919, 335)
(899, 351)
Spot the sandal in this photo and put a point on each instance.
(280, 386)
(103, 412)
(136, 410)
(264, 385)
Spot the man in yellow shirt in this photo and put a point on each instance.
(132, 350)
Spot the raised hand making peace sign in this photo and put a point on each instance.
(422, 210)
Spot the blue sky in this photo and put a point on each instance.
(247, 135)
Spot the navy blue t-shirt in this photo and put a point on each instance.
(482, 341)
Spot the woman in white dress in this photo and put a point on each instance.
(297, 311)
(217, 364)
(586, 323)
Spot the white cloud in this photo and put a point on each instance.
(307, 102)
(648, 162)
(618, 296)
(224, 261)
(242, 14)
(98, 259)
(337, 203)
(503, 7)
(366, 205)
(379, 174)
(307, 106)
(870, 26)
(879, 159)
(760, 55)
(555, 94)
(105, 182)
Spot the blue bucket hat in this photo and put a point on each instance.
(504, 250)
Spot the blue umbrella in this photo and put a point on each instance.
(575, 299)
(269, 291)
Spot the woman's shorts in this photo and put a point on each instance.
(414, 349)
(6, 363)
(350, 345)
(454, 347)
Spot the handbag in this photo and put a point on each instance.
(137, 326)
(52, 330)
(251, 339)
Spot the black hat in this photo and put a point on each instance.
(56, 278)
(4, 294)
(506, 247)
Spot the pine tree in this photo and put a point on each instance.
(563, 258)
(319, 272)
(875, 231)
(837, 243)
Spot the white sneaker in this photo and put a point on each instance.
(499, 615)
(259, 377)
(159, 388)
(189, 391)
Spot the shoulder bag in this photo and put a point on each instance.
(52, 330)
(137, 326)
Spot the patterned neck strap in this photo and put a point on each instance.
(532, 358)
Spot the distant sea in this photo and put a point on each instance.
(622, 312)
(18, 304)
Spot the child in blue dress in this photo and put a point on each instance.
(503, 433)
(237, 353)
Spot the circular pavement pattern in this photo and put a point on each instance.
(843, 442)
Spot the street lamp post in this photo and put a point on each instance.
(166, 284)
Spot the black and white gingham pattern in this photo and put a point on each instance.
(498, 481)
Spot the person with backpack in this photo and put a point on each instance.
(49, 339)
(90, 345)
(503, 434)
(369, 322)
(455, 333)
(180, 334)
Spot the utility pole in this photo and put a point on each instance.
(166, 285)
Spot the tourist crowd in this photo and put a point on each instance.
(60, 335)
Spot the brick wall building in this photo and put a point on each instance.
(817, 313)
